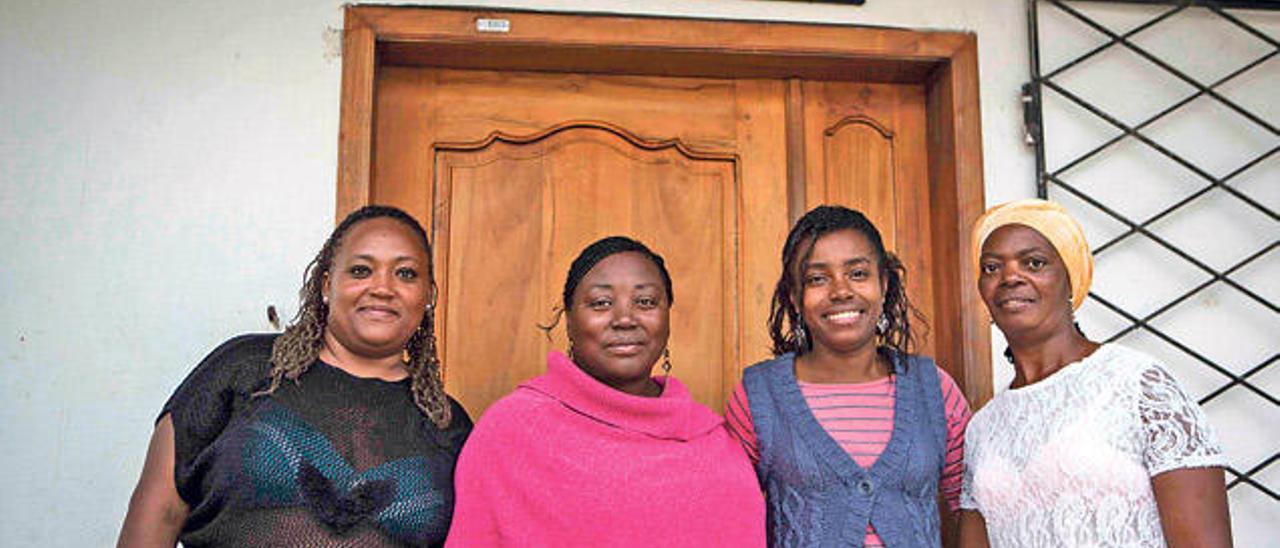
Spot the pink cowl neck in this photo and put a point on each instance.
(568, 461)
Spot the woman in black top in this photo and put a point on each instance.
(356, 449)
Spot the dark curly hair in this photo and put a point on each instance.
(297, 348)
(820, 221)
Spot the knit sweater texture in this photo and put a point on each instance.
(817, 494)
(332, 460)
(568, 461)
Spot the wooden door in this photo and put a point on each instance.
(520, 137)
(516, 172)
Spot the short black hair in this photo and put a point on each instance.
(605, 247)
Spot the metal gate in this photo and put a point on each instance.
(1155, 123)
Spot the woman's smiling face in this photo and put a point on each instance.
(377, 288)
(842, 292)
(1024, 282)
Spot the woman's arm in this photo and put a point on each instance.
(973, 530)
(948, 523)
(737, 417)
(1193, 507)
(951, 481)
(156, 512)
(1183, 452)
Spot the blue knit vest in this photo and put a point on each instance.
(817, 495)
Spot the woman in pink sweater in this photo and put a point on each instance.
(597, 452)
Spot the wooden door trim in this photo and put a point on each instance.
(859, 119)
(944, 62)
(620, 132)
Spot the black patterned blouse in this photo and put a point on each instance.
(333, 460)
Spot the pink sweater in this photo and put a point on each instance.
(567, 461)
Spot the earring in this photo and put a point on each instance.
(882, 324)
(570, 352)
(666, 361)
(800, 335)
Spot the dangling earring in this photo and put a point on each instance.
(406, 357)
(569, 351)
(666, 361)
(882, 324)
(801, 336)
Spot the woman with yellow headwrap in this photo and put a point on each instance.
(1092, 444)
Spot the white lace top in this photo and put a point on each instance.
(1067, 461)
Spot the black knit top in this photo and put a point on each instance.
(333, 460)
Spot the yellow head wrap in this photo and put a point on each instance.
(1052, 222)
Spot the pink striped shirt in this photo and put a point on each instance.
(859, 416)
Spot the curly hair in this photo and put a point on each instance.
(297, 348)
(898, 310)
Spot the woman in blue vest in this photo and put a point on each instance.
(852, 437)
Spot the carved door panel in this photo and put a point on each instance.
(517, 172)
(864, 147)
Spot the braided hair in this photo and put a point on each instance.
(785, 308)
(297, 348)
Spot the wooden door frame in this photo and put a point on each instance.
(944, 62)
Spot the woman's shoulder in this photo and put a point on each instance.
(238, 360)
(248, 346)
(769, 364)
(926, 363)
(515, 411)
(1124, 366)
(516, 422)
(1145, 378)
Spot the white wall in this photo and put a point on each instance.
(167, 170)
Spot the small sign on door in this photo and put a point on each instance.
(493, 25)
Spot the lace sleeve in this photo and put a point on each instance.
(1176, 431)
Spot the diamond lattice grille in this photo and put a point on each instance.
(1156, 125)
